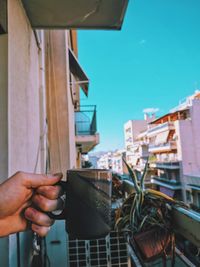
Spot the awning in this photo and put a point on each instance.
(76, 14)
(78, 73)
(161, 138)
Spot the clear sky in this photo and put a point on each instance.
(154, 61)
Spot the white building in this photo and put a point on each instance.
(174, 140)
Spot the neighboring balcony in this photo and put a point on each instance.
(169, 146)
(168, 183)
(193, 181)
(86, 128)
(167, 126)
(172, 165)
(140, 149)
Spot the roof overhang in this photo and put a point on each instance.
(76, 14)
(78, 73)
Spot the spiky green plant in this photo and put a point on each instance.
(145, 209)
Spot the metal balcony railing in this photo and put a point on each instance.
(85, 120)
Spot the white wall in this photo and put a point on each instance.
(189, 141)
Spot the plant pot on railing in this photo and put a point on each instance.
(152, 243)
(146, 220)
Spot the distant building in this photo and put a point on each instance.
(113, 161)
(172, 143)
(94, 161)
(136, 142)
(117, 161)
(105, 161)
(174, 140)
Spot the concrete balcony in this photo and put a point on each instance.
(192, 180)
(168, 183)
(86, 128)
(171, 165)
(88, 14)
(169, 146)
(156, 129)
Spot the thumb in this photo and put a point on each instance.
(35, 180)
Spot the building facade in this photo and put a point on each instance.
(172, 144)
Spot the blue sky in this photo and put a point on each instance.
(154, 61)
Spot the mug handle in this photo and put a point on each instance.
(60, 216)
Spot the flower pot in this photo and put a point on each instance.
(151, 243)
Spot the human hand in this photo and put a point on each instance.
(24, 199)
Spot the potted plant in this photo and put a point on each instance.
(145, 219)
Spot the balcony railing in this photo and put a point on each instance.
(171, 145)
(160, 128)
(192, 180)
(167, 180)
(85, 120)
(173, 165)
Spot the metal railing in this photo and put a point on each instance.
(85, 120)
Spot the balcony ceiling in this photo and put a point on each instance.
(67, 14)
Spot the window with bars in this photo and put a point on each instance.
(106, 252)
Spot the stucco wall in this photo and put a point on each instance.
(23, 110)
(4, 242)
(3, 107)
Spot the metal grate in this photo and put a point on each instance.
(106, 252)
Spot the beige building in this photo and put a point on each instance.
(40, 111)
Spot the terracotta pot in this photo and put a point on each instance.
(151, 243)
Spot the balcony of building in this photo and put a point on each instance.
(168, 183)
(75, 14)
(159, 128)
(164, 147)
(86, 128)
(172, 165)
(192, 180)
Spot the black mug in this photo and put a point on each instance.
(87, 210)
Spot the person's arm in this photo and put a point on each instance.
(24, 200)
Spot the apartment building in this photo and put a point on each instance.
(136, 143)
(40, 109)
(105, 161)
(174, 143)
(113, 161)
